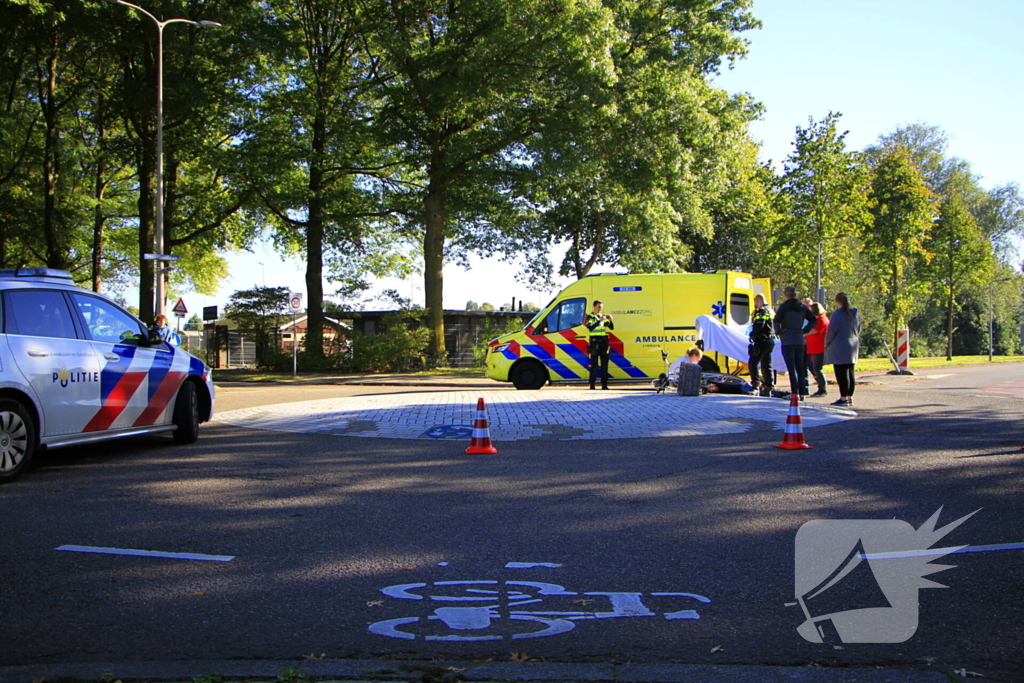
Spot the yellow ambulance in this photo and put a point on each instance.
(651, 313)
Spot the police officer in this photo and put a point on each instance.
(762, 344)
(598, 325)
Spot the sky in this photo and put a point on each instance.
(881, 63)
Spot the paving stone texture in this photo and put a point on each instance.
(529, 415)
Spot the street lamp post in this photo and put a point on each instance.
(817, 283)
(161, 270)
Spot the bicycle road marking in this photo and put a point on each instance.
(505, 598)
(526, 415)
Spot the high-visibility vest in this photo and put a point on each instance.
(600, 329)
(762, 324)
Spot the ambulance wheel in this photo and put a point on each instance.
(186, 414)
(529, 375)
(17, 439)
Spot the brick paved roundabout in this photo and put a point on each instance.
(531, 415)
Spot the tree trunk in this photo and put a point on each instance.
(314, 272)
(55, 257)
(433, 278)
(315, 244)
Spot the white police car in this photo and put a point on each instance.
(77, 368)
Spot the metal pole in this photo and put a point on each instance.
(295, 347)
(160, 240)
(990, 323)
(160, 166)
(817, 286)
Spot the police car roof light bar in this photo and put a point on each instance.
(35, 272)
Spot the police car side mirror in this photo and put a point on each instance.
(154, 336)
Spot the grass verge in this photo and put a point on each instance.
(884, 364)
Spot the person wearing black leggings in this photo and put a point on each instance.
(842, 347)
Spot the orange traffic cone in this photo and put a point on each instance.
(481, 433)
(794, 437)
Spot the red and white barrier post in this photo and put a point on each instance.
(902, 353)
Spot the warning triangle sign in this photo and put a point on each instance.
(180, 307)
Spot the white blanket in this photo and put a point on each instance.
(732, 342)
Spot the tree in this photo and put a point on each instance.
(313, 158)
(902, 210)
(746, 219)
(202, 115)
(960, 256)
(629, 175)
(824, 190)
(260, 311)
(462, 85)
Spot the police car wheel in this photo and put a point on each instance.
(186, 414)
(17, 439)
(529, 375)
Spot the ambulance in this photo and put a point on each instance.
(76, 368)
(652, 313)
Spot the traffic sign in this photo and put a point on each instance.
(295, 301)
(209, 313)
(160, 257)
(179, 308)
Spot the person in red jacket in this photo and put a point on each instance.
(816, 348)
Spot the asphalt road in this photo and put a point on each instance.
(698, 532)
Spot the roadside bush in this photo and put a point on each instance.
(398, 346)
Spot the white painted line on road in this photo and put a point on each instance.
(528, 565)
(955, 550)
(145, 553)
(936, 376)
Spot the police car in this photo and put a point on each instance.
(77, 368)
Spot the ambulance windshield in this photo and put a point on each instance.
(540, 314)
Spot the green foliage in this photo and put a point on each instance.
(291, 676)
(259, 312)
(960, 256)
(489, 330)
(824, 193)
(209, 678)
(902, 208)
(398, 345)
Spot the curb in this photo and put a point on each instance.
(392, 670)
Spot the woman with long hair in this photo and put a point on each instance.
(842, 347)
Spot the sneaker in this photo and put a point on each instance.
(819, 394)
(841, 402)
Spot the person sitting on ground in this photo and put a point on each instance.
(690, 382)
(707, 364)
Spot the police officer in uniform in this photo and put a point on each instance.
(762, 344)
(598, 325)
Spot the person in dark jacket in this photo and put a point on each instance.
(792, 321)
(762, 344)
(707, 363)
